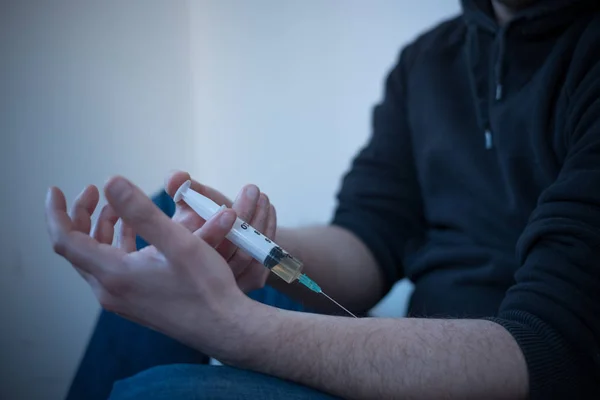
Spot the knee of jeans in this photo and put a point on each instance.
(164, 382)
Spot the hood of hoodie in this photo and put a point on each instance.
(538, 18)
(515, 49)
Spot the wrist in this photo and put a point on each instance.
(235, 322)
(249, 333)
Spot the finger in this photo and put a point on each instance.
(261, 214)
(178, 178)
(244, 206)
(126, 238)
(246, 202)
(78, 248)
(183, 213)
(61, 204)
(214, 230)
(241, 260)
(271, 228)
(83, 208)
(187, 217)
(254, 276)
(104, 230)
(138, 211)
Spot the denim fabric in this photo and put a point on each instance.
(119, 349)
(199, 382)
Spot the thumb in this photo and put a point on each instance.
(216, 228)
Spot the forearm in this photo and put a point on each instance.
(338, 261)
(385, 358)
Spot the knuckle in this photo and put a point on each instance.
(59, 245)
(209, 237)
(245, 208)
(76, 208)
(244, 213)
(134, 205)
(209, 228)
(59, 248)
(264, 202)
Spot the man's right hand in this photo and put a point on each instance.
(333, 257)
(251, 206)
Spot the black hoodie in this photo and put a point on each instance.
(481, 182)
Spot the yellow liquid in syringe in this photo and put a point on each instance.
(289, 269)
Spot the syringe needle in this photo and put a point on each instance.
(338, 304)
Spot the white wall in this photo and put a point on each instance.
(281, 89)
(90, 89)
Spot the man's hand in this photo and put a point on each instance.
(251, 205)
(176, 286)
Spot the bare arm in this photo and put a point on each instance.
(338, 261)
(379, 214)
(543, 343)
(385, 358)
(183, 287)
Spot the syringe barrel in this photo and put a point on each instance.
(263, 249)
(246, 237)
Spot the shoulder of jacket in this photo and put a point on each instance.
(584, 62)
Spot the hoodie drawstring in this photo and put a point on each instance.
(498, 68)
(476, 63)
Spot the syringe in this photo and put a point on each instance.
(250, 240)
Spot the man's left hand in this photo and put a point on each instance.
(180, 285)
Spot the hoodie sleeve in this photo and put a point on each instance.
(380, 199)
(553, 310)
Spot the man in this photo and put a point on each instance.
(487, 140)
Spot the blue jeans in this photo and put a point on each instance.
(198, 382)
(120, 349)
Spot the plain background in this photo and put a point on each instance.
(272, 92)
